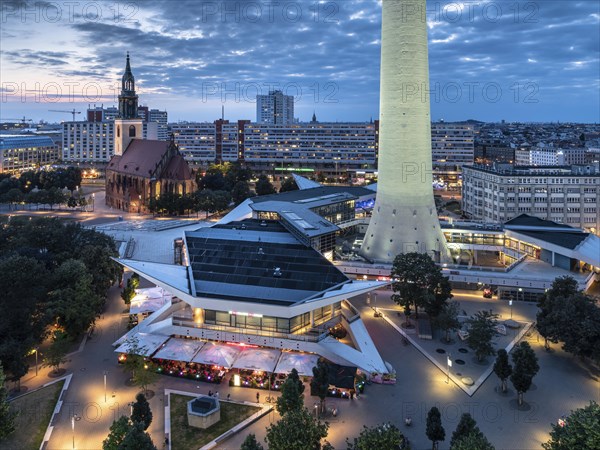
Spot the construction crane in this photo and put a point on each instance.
(63, 111)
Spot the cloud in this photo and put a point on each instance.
(178, 47)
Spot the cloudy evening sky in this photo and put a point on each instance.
(513, 60)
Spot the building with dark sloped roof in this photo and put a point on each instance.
(142, 169)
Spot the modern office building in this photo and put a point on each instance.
(19, 153)
(275, 108)
(563, 194)
(404, 217)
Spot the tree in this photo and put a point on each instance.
(475, 440)
(386, 436)
(418, 282)
(141, 412)
(73, 300)
(482, 329)
(118, 431)
(7, 417)
(55, 354)
(250, 443)
(71, 202)
(288, 185)
(222, 200)
(319, 385)
(550, 317)
(447, 319)
(127, 294)
(23, 322)
(143, 373)
(465, 426)
(263, 186)
(137, 439)
(525, 368)
(434, 430)
(502, 367)
(296, 430)
(204, 201)
(580, 430)
(240, 192)
(291, 398)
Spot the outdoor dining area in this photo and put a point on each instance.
(246, 366)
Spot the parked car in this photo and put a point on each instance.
(488, 293)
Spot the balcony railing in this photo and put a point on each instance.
(310, 335)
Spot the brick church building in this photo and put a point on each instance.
(142, 169)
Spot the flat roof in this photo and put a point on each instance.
(315, 195)
(235, 262)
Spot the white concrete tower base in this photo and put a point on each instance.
(404, 217)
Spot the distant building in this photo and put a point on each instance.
(275, 108)
(489, 154)
(562, 194)
(19, 153)
(452, 144)
(549, 156)
(160, 117)
(92, 140)
(335, 148)
(142, 169)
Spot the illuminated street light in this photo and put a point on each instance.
(73, 429)
(449, 363)
(510, 304)
(105, 373)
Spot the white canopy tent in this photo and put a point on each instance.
(264, 359)
(149, 300)
(302, 362)
(217, 354)
(146, 343)
(179, 349)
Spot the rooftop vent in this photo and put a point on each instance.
(260, 251)
(243, 227)
(277, 272)
(263, 224)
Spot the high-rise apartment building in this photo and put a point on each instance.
(501, 192)
(452, 144)
(154, 115)
(275, 108)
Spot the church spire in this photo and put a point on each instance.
(128, 100)
(314, 117)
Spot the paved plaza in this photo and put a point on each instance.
(562, 384)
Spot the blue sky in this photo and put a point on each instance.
(513, 60)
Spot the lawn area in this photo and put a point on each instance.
(184, 437)
(34, 414)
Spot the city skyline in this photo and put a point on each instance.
(489, 61)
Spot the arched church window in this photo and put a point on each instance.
(131, 131)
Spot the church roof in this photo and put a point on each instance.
(141, 158)
(178, 169)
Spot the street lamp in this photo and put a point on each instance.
(139, 203)
(522, 296)
(73, 429)
(93, 201)
(36, 361)
(449, 363)
(510, 304)
(105, 373)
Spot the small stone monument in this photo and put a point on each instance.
(203, 411)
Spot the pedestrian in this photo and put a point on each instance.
(166, 441)
(257, 397)
(210, 393)
(216, 394)
(228, 397)
(352, 391)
